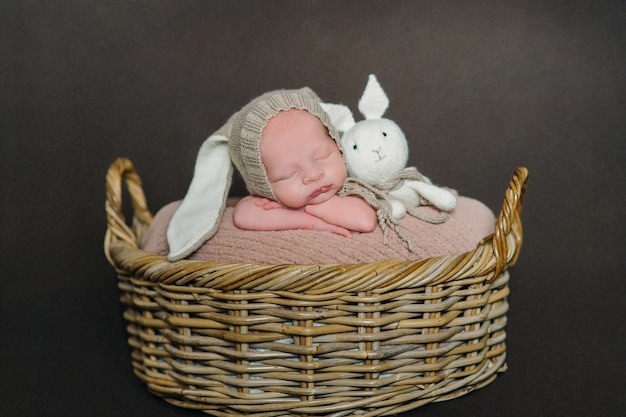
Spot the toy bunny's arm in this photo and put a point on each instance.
(437, 196)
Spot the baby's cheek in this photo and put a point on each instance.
(341, 171)
(290, 194)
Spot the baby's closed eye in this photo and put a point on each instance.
(284, 177)
(324, 155)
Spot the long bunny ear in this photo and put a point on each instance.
(198, 217)
(374, 101)
(340, 116)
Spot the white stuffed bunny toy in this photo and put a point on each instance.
(376, 152)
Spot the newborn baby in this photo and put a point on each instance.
(305, 169)
(288, 154)
(287, 151)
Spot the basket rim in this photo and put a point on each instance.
(493, 254)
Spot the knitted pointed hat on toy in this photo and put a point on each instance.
(198, 217)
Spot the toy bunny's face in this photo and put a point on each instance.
(374, 149)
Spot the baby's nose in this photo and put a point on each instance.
(313, 174)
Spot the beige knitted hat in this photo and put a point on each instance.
(198, 217)
(247, 129)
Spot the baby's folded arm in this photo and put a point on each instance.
(349, 212)
(255, 213)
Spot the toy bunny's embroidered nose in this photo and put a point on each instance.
(378, 153)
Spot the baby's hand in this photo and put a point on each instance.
(321, 225)
(266, 203)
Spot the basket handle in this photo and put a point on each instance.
(123, 170)
(509, 222)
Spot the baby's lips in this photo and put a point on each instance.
(320, 190)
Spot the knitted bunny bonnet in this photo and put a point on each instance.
(198, 217)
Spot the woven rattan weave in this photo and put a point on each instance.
(327, 340)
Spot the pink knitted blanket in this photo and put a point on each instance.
(470, 221)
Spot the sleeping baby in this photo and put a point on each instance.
(305, 170)
(287, 151)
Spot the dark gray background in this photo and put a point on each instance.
(479, 87)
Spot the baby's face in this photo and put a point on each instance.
(303, 163)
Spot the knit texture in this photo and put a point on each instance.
(377, 195)
(247, 130)
(466, 226)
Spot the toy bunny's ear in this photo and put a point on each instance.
(198, 217)
(340, 116)
(374, 101)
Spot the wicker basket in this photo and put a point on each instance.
(269, 340)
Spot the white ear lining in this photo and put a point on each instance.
(198, 217)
